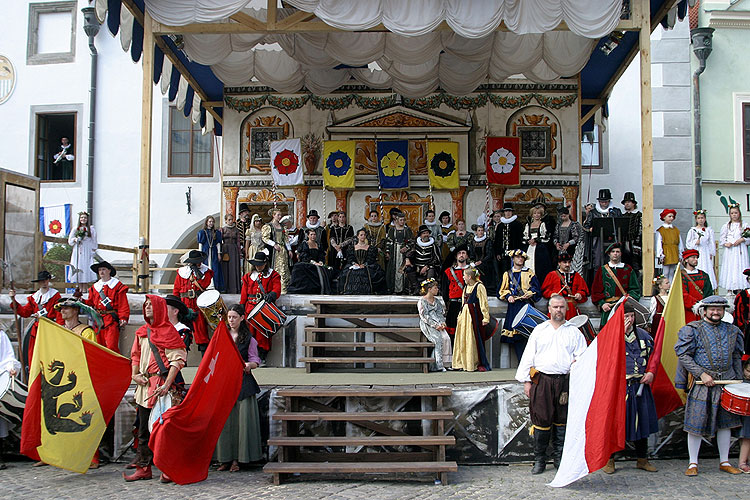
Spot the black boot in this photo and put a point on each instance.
(558, 441)
(541, 441)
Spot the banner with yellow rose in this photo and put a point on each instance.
(393, 169)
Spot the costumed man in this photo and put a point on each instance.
(70, 310)
(9, 364)
(341, 234)
(634, 236)
(157, 356)
(640, 411)
(313, 223)
(452, 286)
(109, 297)
(193, 278)
(482, 253)
(612, 281)
(567, 283)
(603, 209)
(424, 259)
(446, 228)
(507, 236)
(742, 311)
(262, 283)
(243, 224)
(518, 288)
(38, 305)
(181, 318)
(432, 223)
(696, 284)
(544, 369)
(63, 161)
(274, 237)
(376, 234)
(292, 238)
(398, 242)
(710, 350)
(668, 244)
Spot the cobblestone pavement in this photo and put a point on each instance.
(21, 480)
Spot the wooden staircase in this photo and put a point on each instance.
(387, 450)
(364, 336)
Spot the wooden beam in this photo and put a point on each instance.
(271, 14)
(144, 216)
(249, 21)
(588, 115)
(294, 19)
(592, 102)
(647, 151)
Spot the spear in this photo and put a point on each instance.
(19, 334)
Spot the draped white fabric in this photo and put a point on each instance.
(413, 66)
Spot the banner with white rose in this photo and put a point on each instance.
(504, 161)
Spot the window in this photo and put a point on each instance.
(51, 33)
(591, 154)
(190, 152)
(746, 141)
(55, 147)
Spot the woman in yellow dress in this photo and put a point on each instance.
(474, 327)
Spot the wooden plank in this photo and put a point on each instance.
(376, 457)
(364, 359)
(363, 316)
(369, 344)
(361, 440)
(373, 329)
(147, 95)
(647, 156)
(363, 467)
(342, 391)
(359, 416)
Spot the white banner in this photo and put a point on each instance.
(286, 162)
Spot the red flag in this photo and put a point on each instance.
(183, 441)
(504, 160)
(596, 406)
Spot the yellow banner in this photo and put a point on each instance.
(674, 319)
(442, 164)
(72, 423)
(338, 164)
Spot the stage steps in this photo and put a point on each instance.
(383, 447)
(354, 335)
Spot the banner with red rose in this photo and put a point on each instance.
(286, 158)
(504, 160)
(55, 221)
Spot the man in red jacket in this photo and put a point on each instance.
(261, 283)
(567, 283)
(109, 296)
(696, 284)
(193, 278)
(40, 304)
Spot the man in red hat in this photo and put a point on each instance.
(567, 283)
(262, 283)
(696, 284)
(612, 281)
(109, 296)
(193, 278)
(668, 243)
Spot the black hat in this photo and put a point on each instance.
(194, 257)
(423, 229)
(243, 208)
(629, 196)
(104, 263)
(260, 258)
(507, 206)
(443, 214)
(450, 259)
(313, 213)
(42, 276)
(174, 301)
(564, 257)
(604, 194)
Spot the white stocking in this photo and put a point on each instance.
(694, 446)
(722, 441)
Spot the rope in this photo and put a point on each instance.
(487, 205)
(324, 202)
(273, 192)
(432, 200)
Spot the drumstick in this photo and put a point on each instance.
(721, 382)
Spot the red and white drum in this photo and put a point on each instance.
(583, 323)
(266, 318)
(735, 398)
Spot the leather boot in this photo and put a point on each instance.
(140, 473)
(558, 441)
(644, 464)
(610, 467)
(541, 441)
(164, 478)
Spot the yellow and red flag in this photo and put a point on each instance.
(75, 386)
(663, 361)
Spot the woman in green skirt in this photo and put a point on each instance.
(240, 440)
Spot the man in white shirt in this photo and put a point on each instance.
(552, 348)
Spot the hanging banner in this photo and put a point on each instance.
(338, 164)
(442, 163)
(393, 171)
(285, 162)
(504, 160)
(55, 221)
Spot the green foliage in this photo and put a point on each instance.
(60, 253)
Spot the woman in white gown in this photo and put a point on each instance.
(83, 240)
(701, 237)
(734, 260)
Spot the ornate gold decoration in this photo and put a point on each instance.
(533, 195)
(230, 193)
(365, 157)
(399, 120)
(418, 157)
(266, 195)
(570, 192)
(538, 120)
(412, 204)
(272, 121)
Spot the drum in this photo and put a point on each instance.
(161, 405)
(266, 318)
(526, 319)
(13, 394)
(583, 323)
(735, 398)
(213, 308)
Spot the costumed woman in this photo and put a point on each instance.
(83, 240)
(431, 309)
(734, 261)
(362, 274)
(231, 253)
(240, 440)
(658, 301)
(253, 240)
(310, 275)
(474, 326)
(274, 236)
(459, 237)
(209, 239)
(568, 238)
(482, 255)
(701, 237)
(536, 237)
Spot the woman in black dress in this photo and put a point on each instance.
(362, 274)
(310, 275)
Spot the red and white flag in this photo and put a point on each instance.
(286, 158)
(596, 404)
(504, 161)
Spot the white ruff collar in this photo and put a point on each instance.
(373, 224)
(604, 211)
(428, 223)
(509, 219)
(479, 240)
(111, 284)
(668, 226)
(312, 226)
(524, 268)
(185, 271)
(42, 299)
(616, 266)
(180, 327)
(465, 266)
(425, 244)
(266, 274)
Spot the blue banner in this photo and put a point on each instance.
(393, 168)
